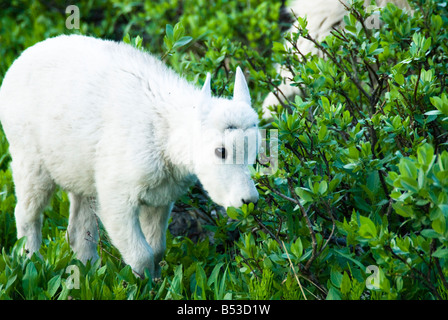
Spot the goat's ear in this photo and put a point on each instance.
(206, 95)
(241, 90)
(206, 88)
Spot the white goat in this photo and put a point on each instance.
(114, 126)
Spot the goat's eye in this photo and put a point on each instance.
(221, 153)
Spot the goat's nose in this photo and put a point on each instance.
(247, 201)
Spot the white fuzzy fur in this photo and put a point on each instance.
(125, 136)
(322, 16)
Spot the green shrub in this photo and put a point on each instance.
(363, 174)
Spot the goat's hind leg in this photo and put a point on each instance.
(154, 222)
(34, 187)
(82, 231)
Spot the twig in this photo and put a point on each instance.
(416, 84)
(415, 271)
(332, 229)
(294, 271)
(308, 222)
(92, 205)
(246, 261)
(93, 210)
(261, 224)
(440, 272)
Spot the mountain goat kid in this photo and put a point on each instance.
(125, 136)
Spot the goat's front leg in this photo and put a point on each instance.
(121, 221)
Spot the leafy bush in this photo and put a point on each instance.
(363, 157)
(358, 208)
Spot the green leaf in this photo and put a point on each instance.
(178, 31)
(30, 280)
(323, 186)
(232, 213)
(444, 209)
(222, 288)
(425, 155)
(138, 41)
(407, 168)
(409, 184)
(430, 233)
(367, 228)
(168, 43)
(64, 293)
(348, 257)
(53, 285)
(335, 182)
(315, 187)
(168, 39)
(176, 286)
(353, 153)
(201, 281)
(127, 38)
(399, 78)
(11, 280)
(403, 210)
(439, 224)
(441, 103)
(373, 182)
(213, 279)
(345, 284)
(325, 102)
(336, 278)
(304, 194)
(278, 47)
(441, 253)
(322, 132)
(333, 294)
(432, 112)
(297, 248)
(426, 44)
(182, 42)
(169, 32)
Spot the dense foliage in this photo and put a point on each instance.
(358, 208)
